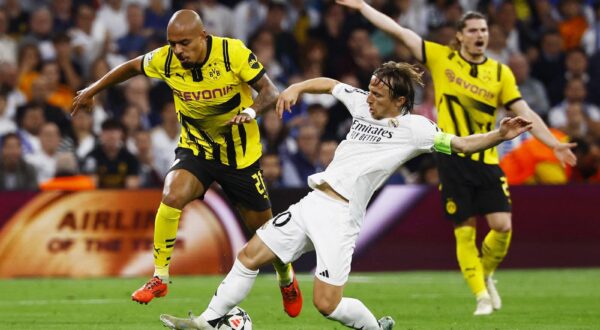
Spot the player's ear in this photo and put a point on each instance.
(400, 102)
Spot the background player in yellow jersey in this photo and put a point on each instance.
(469, 87)
(210, 78)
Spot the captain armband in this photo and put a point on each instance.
(442, 143)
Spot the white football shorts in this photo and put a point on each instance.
(317, 222)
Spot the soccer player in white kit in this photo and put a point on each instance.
(383, 136)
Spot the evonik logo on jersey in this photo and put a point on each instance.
(206, 94)
(366, 132)
(452, 78)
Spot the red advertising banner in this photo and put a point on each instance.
(106, 233)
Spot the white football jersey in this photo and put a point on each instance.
(373, 150)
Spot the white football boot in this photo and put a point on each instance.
(179, 323)
(490, 283)
(484, 306)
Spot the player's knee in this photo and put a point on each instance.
(175, 198)
(503, 227)
(325, 304)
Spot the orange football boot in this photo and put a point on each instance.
(155, 287)
(292, 298)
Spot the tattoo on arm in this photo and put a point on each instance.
(267, 95)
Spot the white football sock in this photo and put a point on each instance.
(234, 288)
(354, 314)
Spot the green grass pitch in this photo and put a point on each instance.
(533, 299)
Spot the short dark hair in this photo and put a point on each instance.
(112, 124)
(462, 22)
(399, 78)
(9, 136)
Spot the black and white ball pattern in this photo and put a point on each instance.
(236, 319)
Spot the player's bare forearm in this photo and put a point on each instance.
(290, 95)
(85, 97)
(267, 95)
(119, 74)
(509, 129)
(383, 22)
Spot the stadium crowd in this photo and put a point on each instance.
(50, 49)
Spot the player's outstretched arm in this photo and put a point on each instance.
(383, 22)
(85, 97)
(290, 95)
(509, 129)
(265, 100)
(562, 151)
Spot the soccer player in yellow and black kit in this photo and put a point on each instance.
(469, 88)
(210, 77)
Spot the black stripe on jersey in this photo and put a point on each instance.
(242, 132)
(449, 99)
(511, 102)
(423, 50)
(196, 74)
(499, 73)
(168, 63)
(228, 137)
(226, 106)
(216, 149)
(142, 66)
(257, 77)
(451, 56)
(226, 55)
(185, 122)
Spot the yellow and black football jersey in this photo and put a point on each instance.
(467, 94)
(207, 96)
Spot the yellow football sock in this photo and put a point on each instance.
(165, 233)
(493, 250)
(468, 259)
(285, 272)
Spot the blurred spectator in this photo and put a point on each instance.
(573, 23)
(263, 45)
(133, 43)
(427, 172)
(112, 15)
(217, 18)
(40, 32)
(149, 174)
(497, 47)
(44, 160)
(156, 16)
(131, 119)
(532, 90)
(17, 17)
(426, 107)
(84, 137)
(110, 164)
(90, 38)
(299, 165)
(30, 61)
(286, 47)
(165, 138)
(326, 153)
(301, 17)
(591, 38)
(70, 71)
(9, 79)
(587, 169)
(578, 123)
(576, 65)
(443, 34)
(7, 124)
(333, 32)
(15, 172)
(270, 164)
(248, 16)
(274, 135)
(67, 177)
(30, 119)
(551, 58)
(532, 162)
(40, 93)
(8, 45)
(58, 95)
(136, 93)
(63, 15)
(518, 37)
(318, 117)
(575, 92)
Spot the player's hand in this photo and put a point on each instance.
(84, 100)
(286, 100)
(563, 153)
(239, 119)
(355, 4)
(513, 127)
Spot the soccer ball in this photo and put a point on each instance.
(236, 319)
